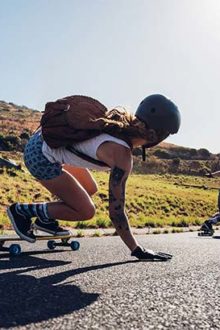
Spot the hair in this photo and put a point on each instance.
(120, 121)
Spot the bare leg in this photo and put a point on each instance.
(84, 177)
(75, 203)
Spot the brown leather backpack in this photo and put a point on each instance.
(72, 119)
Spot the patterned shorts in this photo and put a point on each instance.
(37, 164)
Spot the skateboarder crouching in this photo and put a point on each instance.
(66, 174)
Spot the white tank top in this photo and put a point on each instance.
(89, 147)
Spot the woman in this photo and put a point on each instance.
(67, 176)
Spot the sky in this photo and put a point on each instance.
(118, 51)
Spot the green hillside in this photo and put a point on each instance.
(152, 200)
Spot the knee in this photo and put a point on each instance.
(88, 212)
(93, 191)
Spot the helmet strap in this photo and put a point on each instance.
(143, 153)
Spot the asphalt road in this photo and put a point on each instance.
(102, 287)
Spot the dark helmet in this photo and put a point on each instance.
(159, 113)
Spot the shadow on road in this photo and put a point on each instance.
(25, 299)
(26, 260)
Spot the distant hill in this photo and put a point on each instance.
(17, 123)
(16, 119)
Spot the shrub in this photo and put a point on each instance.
(10, 142)
(182, 223)
(176, 162)
(151, 224)
(14, 140)
(81, 225)
(97, 234)
(25, 136)
(163, 154)
(80, 233)
(166, 231)
(156, 232)
(204, 153)
(102, 223)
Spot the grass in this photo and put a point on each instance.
(97, 234)
(80, 233)
(154, 201)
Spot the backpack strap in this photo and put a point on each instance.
(86, 157)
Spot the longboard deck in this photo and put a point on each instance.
(38, 238)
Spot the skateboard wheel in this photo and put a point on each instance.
(75, 245)
(51, 245)
(15, 249)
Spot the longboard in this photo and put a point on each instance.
(212, 235)
(15, 249)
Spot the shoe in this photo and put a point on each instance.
(21, 223)
(206, 229)
(52, 227)
(207, 226)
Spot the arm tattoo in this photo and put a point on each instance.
(117, 175)
(120, 221)
(117, 183)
